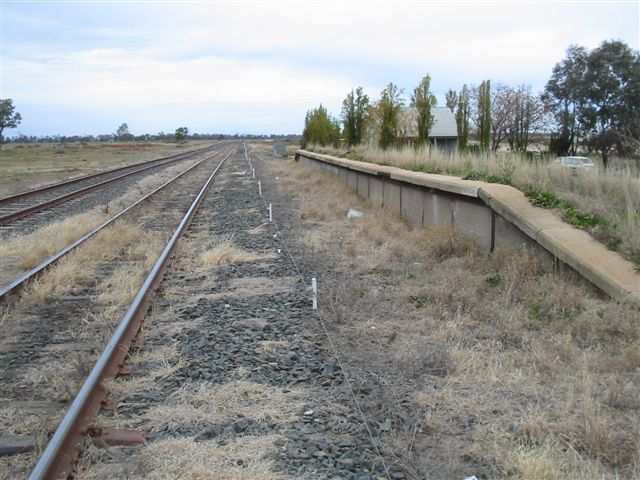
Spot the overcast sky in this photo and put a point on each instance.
(84, 67)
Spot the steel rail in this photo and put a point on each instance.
(5, 219)
(53, 186)
(17, 284)
(58, 457)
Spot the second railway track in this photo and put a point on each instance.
(51, 335)
(29, 210)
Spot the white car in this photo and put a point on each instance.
(574, 162)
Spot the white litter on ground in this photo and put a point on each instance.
(353, 213)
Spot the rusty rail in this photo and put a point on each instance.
(15, 286)
(59, 456)
(53, 186)
(5, 219)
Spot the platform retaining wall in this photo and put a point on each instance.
(491, 215)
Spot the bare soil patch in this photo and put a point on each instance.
(28, 166)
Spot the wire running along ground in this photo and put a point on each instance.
(326, 333)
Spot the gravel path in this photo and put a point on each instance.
(234, 361)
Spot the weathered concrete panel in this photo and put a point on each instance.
(352, 179)
(508, 235)
(438, 210)
(376, 191)
(333, 170)
(391, 197)
(475, 221)
(413, 205)
(515, 221)
(363, 185)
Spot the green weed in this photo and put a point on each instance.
(494, 280)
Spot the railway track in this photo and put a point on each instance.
(51, 336)
(228, 374)
(17, 211)
(247, 388)
(9, 287)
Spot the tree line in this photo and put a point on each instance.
(9, 118)
(592, 100)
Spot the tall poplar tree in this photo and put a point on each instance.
(390, 104)
(354, 114)
(462, 118)
(451, 99)
(484, 115)
(423, 101)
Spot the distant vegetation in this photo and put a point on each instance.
(591, 101)
(9, 118)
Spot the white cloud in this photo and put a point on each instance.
(282, 57)
(137, 79)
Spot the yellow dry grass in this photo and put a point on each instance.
(239, 459)
(223, 252)
(613, 194)
(21, 253)
(78, 268)
(519, 370)
(212, 403)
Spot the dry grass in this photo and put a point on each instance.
(20, 253)
(217, 403)
(613, 195)
(31, 165)
(239, 459)
(78, 268)
(160, 363)
(223, 252)
(511, 369)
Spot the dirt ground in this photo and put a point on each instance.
(466, 364)
(27, 166)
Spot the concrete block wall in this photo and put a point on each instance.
(493, 216)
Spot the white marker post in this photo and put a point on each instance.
(259, 188)
(314, 290)
(270, 213)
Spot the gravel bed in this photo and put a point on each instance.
(245, 323)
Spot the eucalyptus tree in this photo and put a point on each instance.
(9, 118)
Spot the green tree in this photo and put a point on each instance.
(423, 101)
(611, 107)
(563, 94)
(320, 128)
(181, 134)
(122, 133)
(354, 116)
(462, 118)
(390, 104)
(595, 99)
(484, 115)
(9, 118)
(451, 99)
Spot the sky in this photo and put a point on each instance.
(85, 67)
